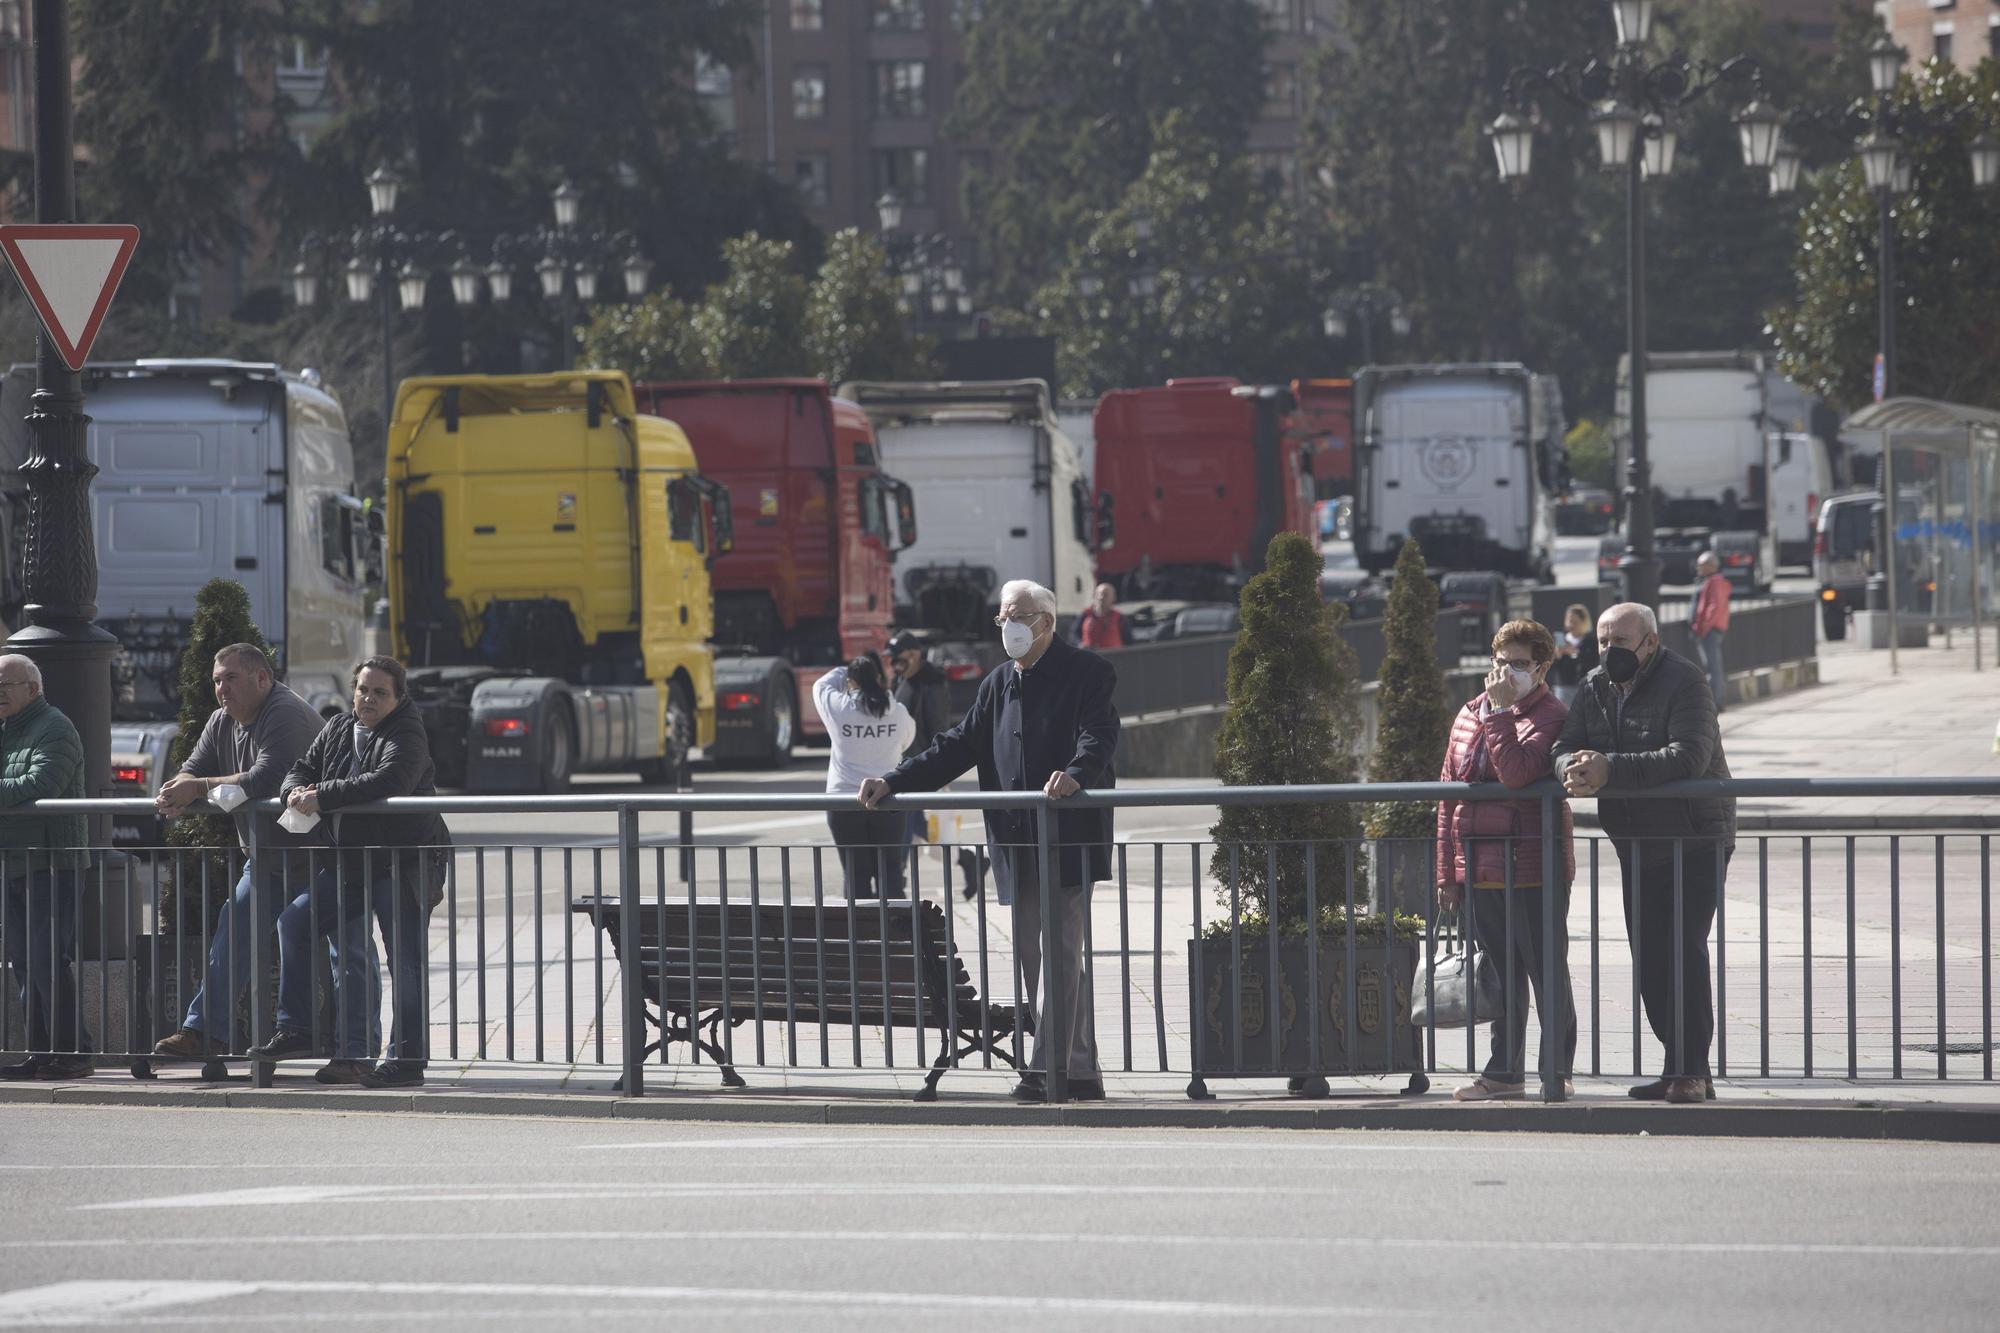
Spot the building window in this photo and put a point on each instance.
(298, 56)
(808, 15)
(813, 174)
(1278, 13)
(898, 15)
(1281, 93)
(907, 171)
(1941, 43)
(1277, 171)
(899, 88)
(809, 92)
(715, 89)
(1993, 36)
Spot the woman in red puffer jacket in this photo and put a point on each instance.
(1505, 735)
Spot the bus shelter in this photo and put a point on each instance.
(1938, 461)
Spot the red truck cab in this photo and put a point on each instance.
(1324, 421)
(1200, 475)
(818, 524)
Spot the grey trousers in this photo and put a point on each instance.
(1072, 902)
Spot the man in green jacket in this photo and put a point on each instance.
(40, 856)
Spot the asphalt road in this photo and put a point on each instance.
(265, 1219)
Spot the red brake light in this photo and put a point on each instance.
(506, 726)
(1819, 543)
(134, 776)
(961, 671)
(1812, 506)
(1736, 558)
(737, 701)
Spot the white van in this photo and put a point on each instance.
(1801, 478)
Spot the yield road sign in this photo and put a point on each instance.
(69, 271)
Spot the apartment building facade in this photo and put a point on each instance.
(848, 99)
(1958, 32)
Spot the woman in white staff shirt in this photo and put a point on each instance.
(869, 731)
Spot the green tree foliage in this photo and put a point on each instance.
(158, 101)
(1413, 721)
(1592, 457)
(764, 319)
(1536, 272)
(1292, 719)
(1947, 285)
(1197, 271)
(1071, 97)
(221, 617)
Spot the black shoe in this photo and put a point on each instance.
(62, 1068)
(285, 1044)
(394, 1074)
(27, 1069)
(343, 1071)
(1030, 1089)
(968, 865)
(1656, 1091)
(1086, 1089)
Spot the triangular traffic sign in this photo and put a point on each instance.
(70, 271)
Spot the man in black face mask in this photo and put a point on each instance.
(1645, 716)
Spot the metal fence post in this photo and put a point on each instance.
(1052, 1023)
(1552, 1007)
(260, 927)
(631, 972)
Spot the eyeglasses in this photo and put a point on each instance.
(1000, 622)
(15, 684)
(1519, 664)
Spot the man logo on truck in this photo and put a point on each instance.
(1446, 460)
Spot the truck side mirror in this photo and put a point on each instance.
(721, 516)
(1107, 526)
(906, 516)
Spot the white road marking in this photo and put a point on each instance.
(1803, 1248)
(109, 1301)
(288, 1195)
(955, 1143)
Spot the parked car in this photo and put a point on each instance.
(1587, 511)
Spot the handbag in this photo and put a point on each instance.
(1438, 994)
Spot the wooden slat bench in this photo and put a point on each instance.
(871, 963)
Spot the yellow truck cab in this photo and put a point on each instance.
(549, 552)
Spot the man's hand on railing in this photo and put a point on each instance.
(178, 793)
(1587, 773)
(305, 800)
(872, 791)
(1059, 785)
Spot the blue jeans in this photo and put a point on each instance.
(1711, 658)
(338, 907)
(38, 917)
(229, 961)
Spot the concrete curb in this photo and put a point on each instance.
(1860, 1120)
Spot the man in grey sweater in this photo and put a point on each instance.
(259, 729)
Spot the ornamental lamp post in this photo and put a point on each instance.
(1631, 99)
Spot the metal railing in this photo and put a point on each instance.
(1849, 944)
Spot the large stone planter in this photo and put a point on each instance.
(1363, 1028)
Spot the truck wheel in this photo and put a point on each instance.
(1833, 619)
(558, 758)
(781, 718)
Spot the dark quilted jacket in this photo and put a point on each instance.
(40, 756)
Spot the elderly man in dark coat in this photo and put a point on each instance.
(1043, 721)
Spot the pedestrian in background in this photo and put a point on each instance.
(869, 731)
(259, 729)
(921, 689)
(1102, 624)
(390, 867)
(1490, 856)
(1643, 718)
(1042, 721)
(41, 757)
(1576, 653)
(1711, 622)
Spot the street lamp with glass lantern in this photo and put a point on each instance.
(1631, 100)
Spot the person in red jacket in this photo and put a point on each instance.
(1490, 852)
(1101, 625)
(1711, 622)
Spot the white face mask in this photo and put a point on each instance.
(1523, 680)
(1016, 638)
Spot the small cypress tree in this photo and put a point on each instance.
(1413, 721)
(221, 617)
(1292, 719)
